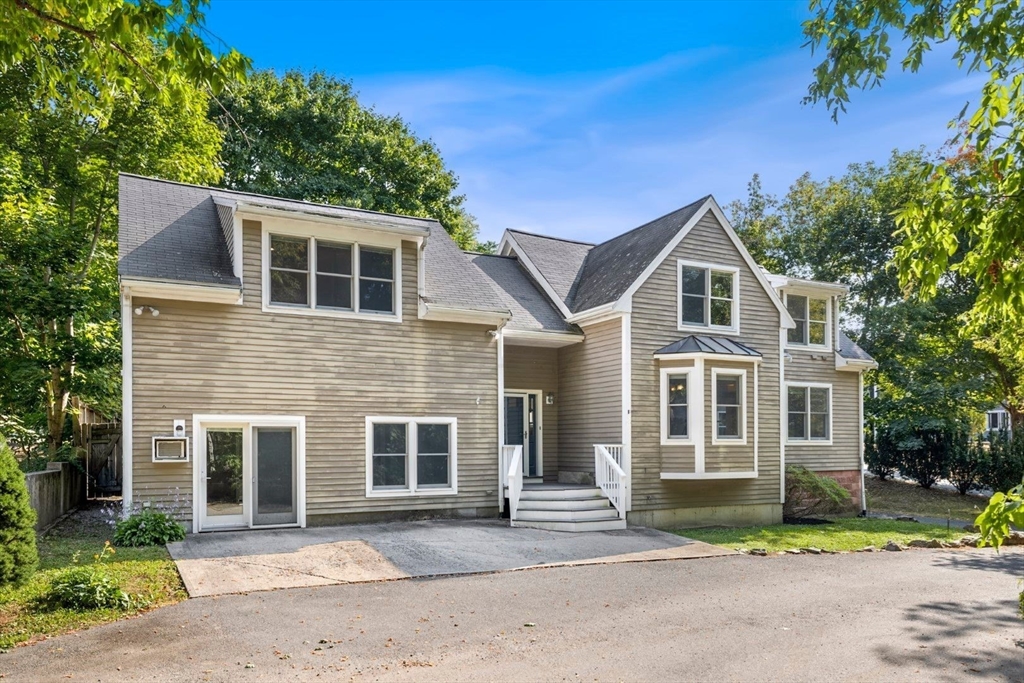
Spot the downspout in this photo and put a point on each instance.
(499, 336)
(860, 411)
(126, 401)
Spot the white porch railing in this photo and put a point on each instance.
(610, 476)
(512, 473)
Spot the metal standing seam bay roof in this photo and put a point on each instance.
(173, 231)
(531, 309)
(696, 343)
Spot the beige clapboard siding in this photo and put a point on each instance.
(536, 369)
(206, 358)
(844, 453)
(590, 395)
(654, 325)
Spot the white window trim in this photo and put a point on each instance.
(693, 421)
(690, 327)
(728, 441)
(412, 424)
(808, 441)
(827, 346)
(338, 235)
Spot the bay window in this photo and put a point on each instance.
(728, 406)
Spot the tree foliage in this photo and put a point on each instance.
(309, 138)
(87, 53)
(59, 316)
(18, 555)
(969, 219)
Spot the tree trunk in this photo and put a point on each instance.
(57, 397)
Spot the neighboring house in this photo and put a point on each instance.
(289, 363)
(997, 419)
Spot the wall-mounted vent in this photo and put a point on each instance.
(170, 449)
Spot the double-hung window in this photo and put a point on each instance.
(810, 412)
(811, 316)
(676, 406)
(410, 456)
(708, 296)
(331, 276)
(729, 405)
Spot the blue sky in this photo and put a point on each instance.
(586, 119)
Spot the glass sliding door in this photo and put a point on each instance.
(274, 476)
(224, 481)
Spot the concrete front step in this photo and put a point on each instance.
(587, 525)
(574, 493)
(545, 514)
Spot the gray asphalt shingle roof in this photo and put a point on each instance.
(170, 231)
(698, 343)
(531, 309)
(559, 261)
(173, 231)
(848, 349)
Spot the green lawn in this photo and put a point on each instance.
(897, 497)
(841, 534)
(148, 573)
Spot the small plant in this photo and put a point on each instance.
(149, 527)
(88, 587)
(18, 555)
(809, 494)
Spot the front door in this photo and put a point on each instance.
(224, 480)
(521, 422)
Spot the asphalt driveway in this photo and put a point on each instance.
(248, 561)
(928, 615)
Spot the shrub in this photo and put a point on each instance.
(87, 587)
(881, 454)
(1004, 466)
(965, 461)
(809, 494)
(925, 456)
(18, 555)
(148, 527)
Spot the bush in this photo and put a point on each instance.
(809, 494)
(927, 460)
(882, 455)
(966, 459)
(87, 587)
(148, 527)
(1004, 466)
(18, 555)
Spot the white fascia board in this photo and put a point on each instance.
(800, 286)
(508, 243)
(462, 315)
(182, 291)
(608, 311)
(541, 338)
(379, 224)
(756, 360)
(854, 365)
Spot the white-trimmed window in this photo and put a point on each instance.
(809, 408)
(408, 456)
(708, 296)
(330, 276)
(811, 315)
(728, 406)
(677, 407)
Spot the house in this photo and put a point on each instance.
(997, 420)
(289, 364)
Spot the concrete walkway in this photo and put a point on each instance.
(247, 561)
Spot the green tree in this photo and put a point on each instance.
(59, 316)
(87, 53)
(759, 225)
(18, 555)
(309, 138)
(967, 220)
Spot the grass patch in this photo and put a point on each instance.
(148, 573)
(897, 497)
(841, 534)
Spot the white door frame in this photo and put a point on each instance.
(247, 423)
(538, 432)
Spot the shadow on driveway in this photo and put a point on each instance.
(246, 561)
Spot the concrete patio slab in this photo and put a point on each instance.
(248, 561)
